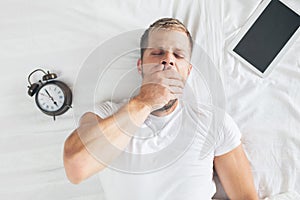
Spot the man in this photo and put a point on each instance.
(164, 65)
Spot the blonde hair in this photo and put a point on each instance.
(164, 23)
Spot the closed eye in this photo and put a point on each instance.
(156, 52)
(178, 55)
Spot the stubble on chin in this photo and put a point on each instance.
(167, 106)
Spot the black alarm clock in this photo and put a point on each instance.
(52, 97)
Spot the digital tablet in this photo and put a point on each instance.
(266, 36)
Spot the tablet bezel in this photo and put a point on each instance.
(245, 29)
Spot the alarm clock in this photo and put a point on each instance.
(52, 97)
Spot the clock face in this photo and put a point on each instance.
(50, 98)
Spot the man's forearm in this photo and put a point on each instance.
(92, 145)
(118, 128)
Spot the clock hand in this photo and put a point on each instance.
(55, 103)
(51, 97)
(49, 94)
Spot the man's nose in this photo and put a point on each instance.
(168, 60)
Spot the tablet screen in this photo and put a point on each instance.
(268, 35)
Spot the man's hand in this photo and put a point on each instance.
(160, 86)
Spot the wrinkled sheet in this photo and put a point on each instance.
(266, 110)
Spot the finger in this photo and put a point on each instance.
(173, 96)
(178, 96)
(172, 74)
(175, 90)
(174, 82)
(158, 68)
(153, 67)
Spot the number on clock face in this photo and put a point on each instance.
(51, 97)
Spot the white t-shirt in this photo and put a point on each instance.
(170, 157)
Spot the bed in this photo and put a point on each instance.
(61, 36)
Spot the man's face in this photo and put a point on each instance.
(168, 47)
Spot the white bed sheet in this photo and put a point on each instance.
(266, 110)
(60, 35)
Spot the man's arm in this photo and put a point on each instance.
(79, 163)
(235, 175)
(98, 135)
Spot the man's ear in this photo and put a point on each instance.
(139, 66)
(190, 68)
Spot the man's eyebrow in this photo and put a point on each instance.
(180, 50)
